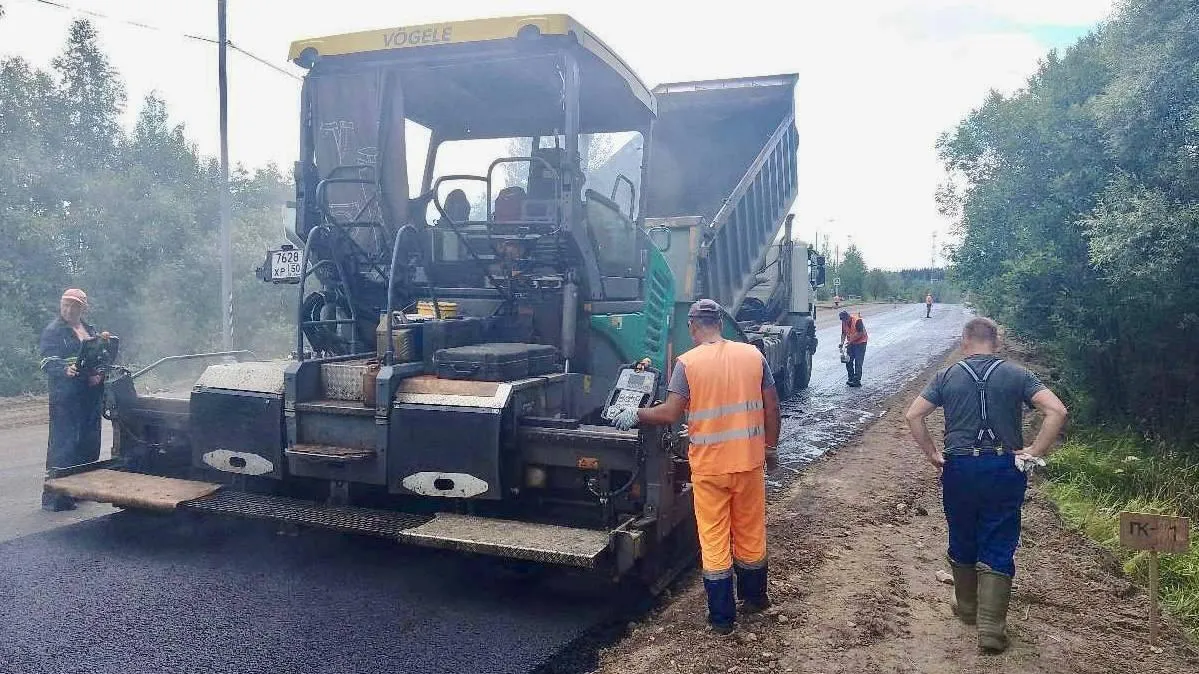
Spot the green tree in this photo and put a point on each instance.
(31, 267)
(852, 272)
(91, 98)
(878, 285)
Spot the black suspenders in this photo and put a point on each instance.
(984, 430)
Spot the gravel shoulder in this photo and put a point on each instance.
(20, 411)
(855, 546)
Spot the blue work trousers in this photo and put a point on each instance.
(982, 497)
(857, 354)
(74, 435)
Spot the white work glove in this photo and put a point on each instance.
(626, 419)
(1026, 463)
(684, 431)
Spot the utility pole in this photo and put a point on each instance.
(226, 246)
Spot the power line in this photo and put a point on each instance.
(127, 22)
(263, 61)
(158, 29)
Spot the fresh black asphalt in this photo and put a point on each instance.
(137, 594)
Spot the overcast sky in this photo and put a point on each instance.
(878, 79)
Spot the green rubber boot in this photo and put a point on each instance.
(965, 592)
(994, 593)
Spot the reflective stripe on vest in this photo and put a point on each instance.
(725, 413)
(700, 415)
(725, 436)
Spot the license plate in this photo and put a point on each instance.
(285, 265)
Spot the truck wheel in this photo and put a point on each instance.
(787, 387)
(803, 374)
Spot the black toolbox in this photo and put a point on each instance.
(435, 335)
(543, 359)
(495, 361)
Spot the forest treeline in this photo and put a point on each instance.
(130, 216)
(1077, 204)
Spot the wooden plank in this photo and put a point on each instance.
(1156, 533)
(132, 490)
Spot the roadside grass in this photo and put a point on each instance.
(1095, 475)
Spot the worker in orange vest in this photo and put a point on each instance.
(853, 338)
(928, 305)
(728, 393)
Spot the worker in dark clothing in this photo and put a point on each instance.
(983, 470)
(728, 393)
(853, 338)
(75, 397)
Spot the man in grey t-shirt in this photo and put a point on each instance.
(982, 475)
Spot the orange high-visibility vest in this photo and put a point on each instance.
(726, 422)
(850, 330)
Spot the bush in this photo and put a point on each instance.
(1126, 468)
(19, 360)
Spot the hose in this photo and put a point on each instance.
(604, 497)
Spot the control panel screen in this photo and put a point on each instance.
(642, 382)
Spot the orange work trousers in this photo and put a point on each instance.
(730, 513)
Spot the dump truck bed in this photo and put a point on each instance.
(722, 180)
(706, 138)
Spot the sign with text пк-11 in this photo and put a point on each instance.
(1157, 533)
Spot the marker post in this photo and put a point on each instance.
(1154, 534)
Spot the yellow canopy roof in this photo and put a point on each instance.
(473, 31)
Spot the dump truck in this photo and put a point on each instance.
(497, 231)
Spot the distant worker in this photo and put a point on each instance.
(983, 470)
(75, 397)
(853, 338)
(928, 305)
(728, 392)
(837, 301)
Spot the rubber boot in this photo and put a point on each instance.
(994, 593)
(722, 607)
(751, 589)
(965, 592)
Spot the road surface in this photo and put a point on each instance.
(902, 342)
(22, 464)
(127, 592)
